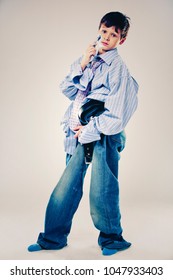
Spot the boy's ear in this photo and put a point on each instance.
(122, 41)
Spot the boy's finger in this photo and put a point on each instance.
(77, 127)
(77, 134)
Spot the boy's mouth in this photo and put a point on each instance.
(105, 44)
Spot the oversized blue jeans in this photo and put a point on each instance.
(104, 193)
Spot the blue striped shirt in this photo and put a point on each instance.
(113, 84)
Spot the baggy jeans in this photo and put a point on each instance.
(104, 193)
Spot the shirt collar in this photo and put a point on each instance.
(109, 56)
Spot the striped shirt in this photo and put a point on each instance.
(112, 84)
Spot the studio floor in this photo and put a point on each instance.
(147, 226)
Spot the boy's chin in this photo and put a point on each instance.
(104, 49)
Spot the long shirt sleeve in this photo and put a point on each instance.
(120, 105)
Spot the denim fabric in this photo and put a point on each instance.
(104, 193)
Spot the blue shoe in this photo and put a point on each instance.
(35, 247)
(113, 248)
(108, 252)
(111, 243)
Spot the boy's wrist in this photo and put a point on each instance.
(83, 66)
(84, 62)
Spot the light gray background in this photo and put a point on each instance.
(39, 39)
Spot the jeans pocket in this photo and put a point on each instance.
(120, 140)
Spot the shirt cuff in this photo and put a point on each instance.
(81, 78)
(89, 133)
(77, 71)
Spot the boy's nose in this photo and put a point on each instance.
(106, 37)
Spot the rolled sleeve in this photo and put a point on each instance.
(76, 80)
(80, 78)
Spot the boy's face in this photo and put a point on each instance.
(110, 38)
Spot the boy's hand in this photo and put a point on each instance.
(90, 51)
(78, 130)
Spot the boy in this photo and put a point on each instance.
(111, 83)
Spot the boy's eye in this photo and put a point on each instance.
(104, 31)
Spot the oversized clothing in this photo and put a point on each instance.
(113, 84)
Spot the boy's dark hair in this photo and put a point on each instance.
(118, 20)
